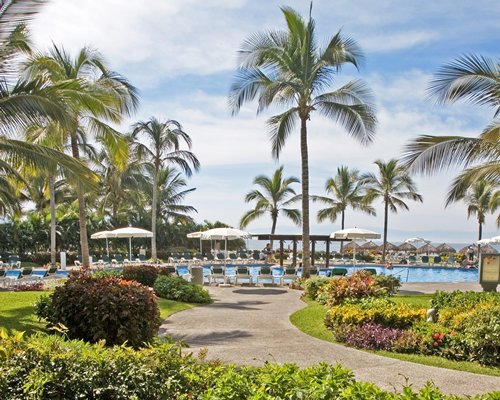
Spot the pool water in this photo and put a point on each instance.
(406, 273)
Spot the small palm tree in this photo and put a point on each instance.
(345, 190)
(272, 199)
(164, 140)
(480, 199)
(288, 68)
(392, 185)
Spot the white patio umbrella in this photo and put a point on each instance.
(102, 235)
(417, 240)
(195, 235)
(355, 234)
(495, 239)
(130, 232)
(225, 234)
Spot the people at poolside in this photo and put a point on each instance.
(267, 252)
(470, 253)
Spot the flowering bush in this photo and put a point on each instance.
(373, 337)
(29, 286)
(105, 308)
(355, 286)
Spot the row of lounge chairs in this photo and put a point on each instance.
(10, 278)
(238, 274)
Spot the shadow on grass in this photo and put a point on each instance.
(21, 319)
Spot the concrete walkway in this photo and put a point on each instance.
(250, 325)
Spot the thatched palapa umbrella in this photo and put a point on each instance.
(389, 247)
(445, 248)
(488, 248)
(368, 246)
(464, 250)
(406, 247)
(428, 249)
(348, 246)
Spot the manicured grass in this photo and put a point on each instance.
(310, 321)
(17, 311)
(420, 300)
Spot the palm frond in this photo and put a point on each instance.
(281, 126)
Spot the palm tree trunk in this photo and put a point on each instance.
(273, 228)
(306, 254)
(52, 221)
(342, 227)
(386, 221)
(153, 214)
(82, 215)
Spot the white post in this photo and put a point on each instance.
(63, 260)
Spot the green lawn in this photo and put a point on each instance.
(310, 321)
(17, 311)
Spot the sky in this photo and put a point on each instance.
(182, 56)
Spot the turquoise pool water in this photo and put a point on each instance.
(406, 273)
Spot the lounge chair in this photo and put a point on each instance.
(425, 259)
(217, 272)
(242, 273)
(325, 272)
(11, 276)
(339, 271)
(183, 271)
(266, 273)
(437, 260)
(221, 257)
(169, 269)
(289, 274)
(230, 273)
(451, 261)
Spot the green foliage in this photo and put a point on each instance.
(107, 308)
(390, 283)
(462, 300)
(144, 274)
(313, 285)
(107, 272)
(177, 288)
(49, 367)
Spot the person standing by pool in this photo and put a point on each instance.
(268, 252)
(470, 253)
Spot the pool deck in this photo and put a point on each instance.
(250, 325)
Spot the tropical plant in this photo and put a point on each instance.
(392, 185)
(346, 190)
(287, 68)
(272, 198)
(475, 79)
(164, 140)
(99, 95)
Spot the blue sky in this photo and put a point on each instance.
(182, 56)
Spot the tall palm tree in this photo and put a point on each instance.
(288, 69)
(480, 200)
(273, 199)
(164, 140)
(101, 96)
(345, 190)
(474, 79)
(392, 185)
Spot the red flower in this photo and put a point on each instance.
(436, 336)
(435, 344)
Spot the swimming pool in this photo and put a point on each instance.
(406, 273)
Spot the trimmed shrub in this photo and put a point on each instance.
(390, 283)
(373, 337)
(379, 311)
(109, 309)
(144, 274)
(177, 288)
(462, 300)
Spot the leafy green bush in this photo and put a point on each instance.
(144, 274)
(390, 283)
(461, 300)
(313, 285)
(107, 308)
(177, 288)
(49, 367)
(107, 272)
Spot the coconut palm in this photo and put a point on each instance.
(163, 147)
(287, 68)
(480, 200)
(474, 79)
(275, 195)
(392, 185)
(100, 96)
(346, 190)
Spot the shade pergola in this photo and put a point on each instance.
(445, 248)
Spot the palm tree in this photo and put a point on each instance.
(480, 200)
(474, 79)
(346, 190)
(287, 68)
(100, 95)
(392, 185)
(272, 199)
(164, 140)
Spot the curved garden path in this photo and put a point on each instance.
(250, 325)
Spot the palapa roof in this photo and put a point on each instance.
(445, 248)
